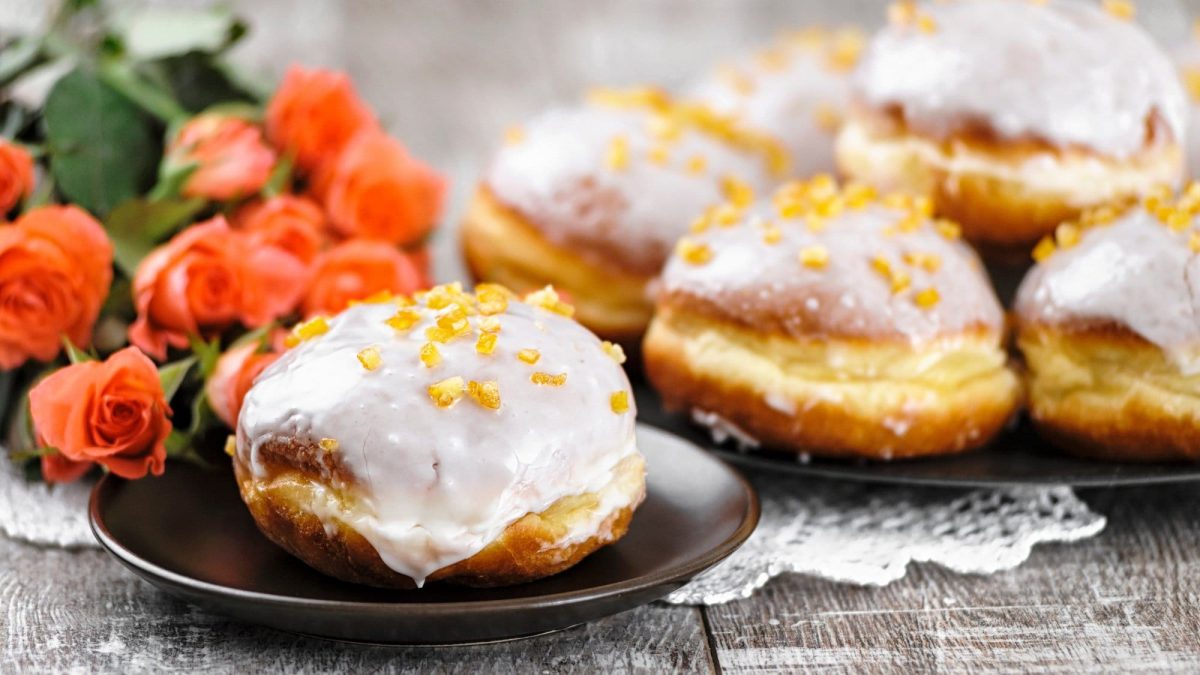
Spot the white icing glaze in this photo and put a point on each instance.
(723, 430)
(556, 177)
(759, 282)
(435, 485)
(1136, 273)
(786, 96)
(1187, 58)
(1065, 72)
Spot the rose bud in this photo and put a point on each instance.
(112, 413)
(314, 113)
(356, 269)
(55, 271)
(231, 157)
(16, 175)
(235, 373)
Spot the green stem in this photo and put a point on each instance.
(42, 194)
(122, 77)
(22, 456)
(20, 57)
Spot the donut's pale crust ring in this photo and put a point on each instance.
(501, 246)
(884, 400)
(535, 546)
(1006, 195)
(1104, 392)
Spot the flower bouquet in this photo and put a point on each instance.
(166, 217)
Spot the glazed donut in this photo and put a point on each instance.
(1014, 116)
(833, 323)
(591, 199)
(448, 436)
(1109, 325)
(795, 90)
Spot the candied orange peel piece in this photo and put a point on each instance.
(447, 392)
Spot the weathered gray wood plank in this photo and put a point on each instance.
(1126, 600)
(64, 610)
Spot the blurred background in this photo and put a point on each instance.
(448, 76)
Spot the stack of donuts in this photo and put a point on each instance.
(859, 318)
(487, 437)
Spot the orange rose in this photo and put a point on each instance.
(235, 373)
(294, 224)
(113, 413)
(55, 270)
(16, 175)
(231, 156)
(376, 190)
(204, 280)
(314, 113)
(354, 270)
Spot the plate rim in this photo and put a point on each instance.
(764, 462)
(682, 571)
(680, 424)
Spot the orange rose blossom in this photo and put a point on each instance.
(55, 271)
(113, 413)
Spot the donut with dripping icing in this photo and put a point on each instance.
(591, 199)
(1108, 323)
(470, 438)
(834, 323)
(1014, 116)
(796, 89)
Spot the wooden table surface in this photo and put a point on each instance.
(1128, 599)
(448, 77)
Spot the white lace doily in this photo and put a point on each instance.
(868, 534)
(54, 515)
(848, 532)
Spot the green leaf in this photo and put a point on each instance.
(198, 82)
(19, 56)
(21, 436)
(137, 225)
(158, 31)
(74, 354)
(208, 351)
(202, 413)
(172, 375)
(181, 443)
(177, 442)
(258, 337)
(171, 179)
(103, 150)
(119, 303)
(149, 95)
(43, 193)
(280, 178)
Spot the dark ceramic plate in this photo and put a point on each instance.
(189, 534)
(1017, 457)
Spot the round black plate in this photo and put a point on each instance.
(1017, 457)
(188, 533)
